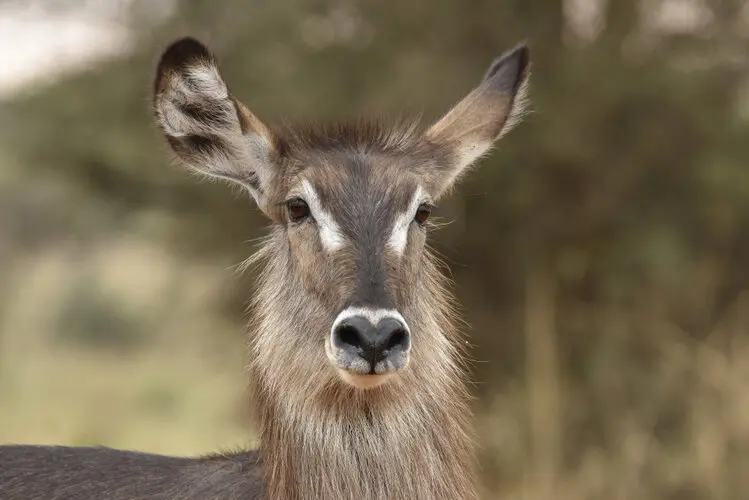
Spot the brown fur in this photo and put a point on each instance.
(409, 438)
(321, 437)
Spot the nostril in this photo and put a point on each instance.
(348, 334)
(397, 339)
(355, 334)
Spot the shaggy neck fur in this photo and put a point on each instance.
(321, 439)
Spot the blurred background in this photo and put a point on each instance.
(601, 254)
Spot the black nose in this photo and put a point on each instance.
(388, 340)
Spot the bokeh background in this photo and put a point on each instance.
(601, 254)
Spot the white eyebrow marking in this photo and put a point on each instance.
(399, 235)
(330, 233)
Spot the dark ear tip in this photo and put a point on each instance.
(523, 52)
(179, 55)
(510, 69)
(182, 53)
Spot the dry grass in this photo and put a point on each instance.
(177, 390)
(650, 413)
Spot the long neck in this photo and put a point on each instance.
(407, 439)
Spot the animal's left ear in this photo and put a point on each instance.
(470, 128)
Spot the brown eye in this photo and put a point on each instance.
(422, 214)
(297, 209)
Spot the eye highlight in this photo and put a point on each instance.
(297, 210)
(423, 213)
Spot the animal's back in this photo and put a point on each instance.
(72, 473)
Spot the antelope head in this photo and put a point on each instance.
(351, 280)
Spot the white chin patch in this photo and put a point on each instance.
(363, 381)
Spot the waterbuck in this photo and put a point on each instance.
(357, 367)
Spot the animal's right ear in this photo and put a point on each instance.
(211, 131)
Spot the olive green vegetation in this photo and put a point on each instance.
(601, 254)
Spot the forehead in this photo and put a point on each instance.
(357, 184)
(357, 166)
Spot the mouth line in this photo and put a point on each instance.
(360, 372)
(365, 368)
(371, 357)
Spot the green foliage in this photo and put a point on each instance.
(626, 188)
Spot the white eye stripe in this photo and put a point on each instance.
(399, 235)
(330, 234)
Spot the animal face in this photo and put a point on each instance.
(351, 203)
(356, 224)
